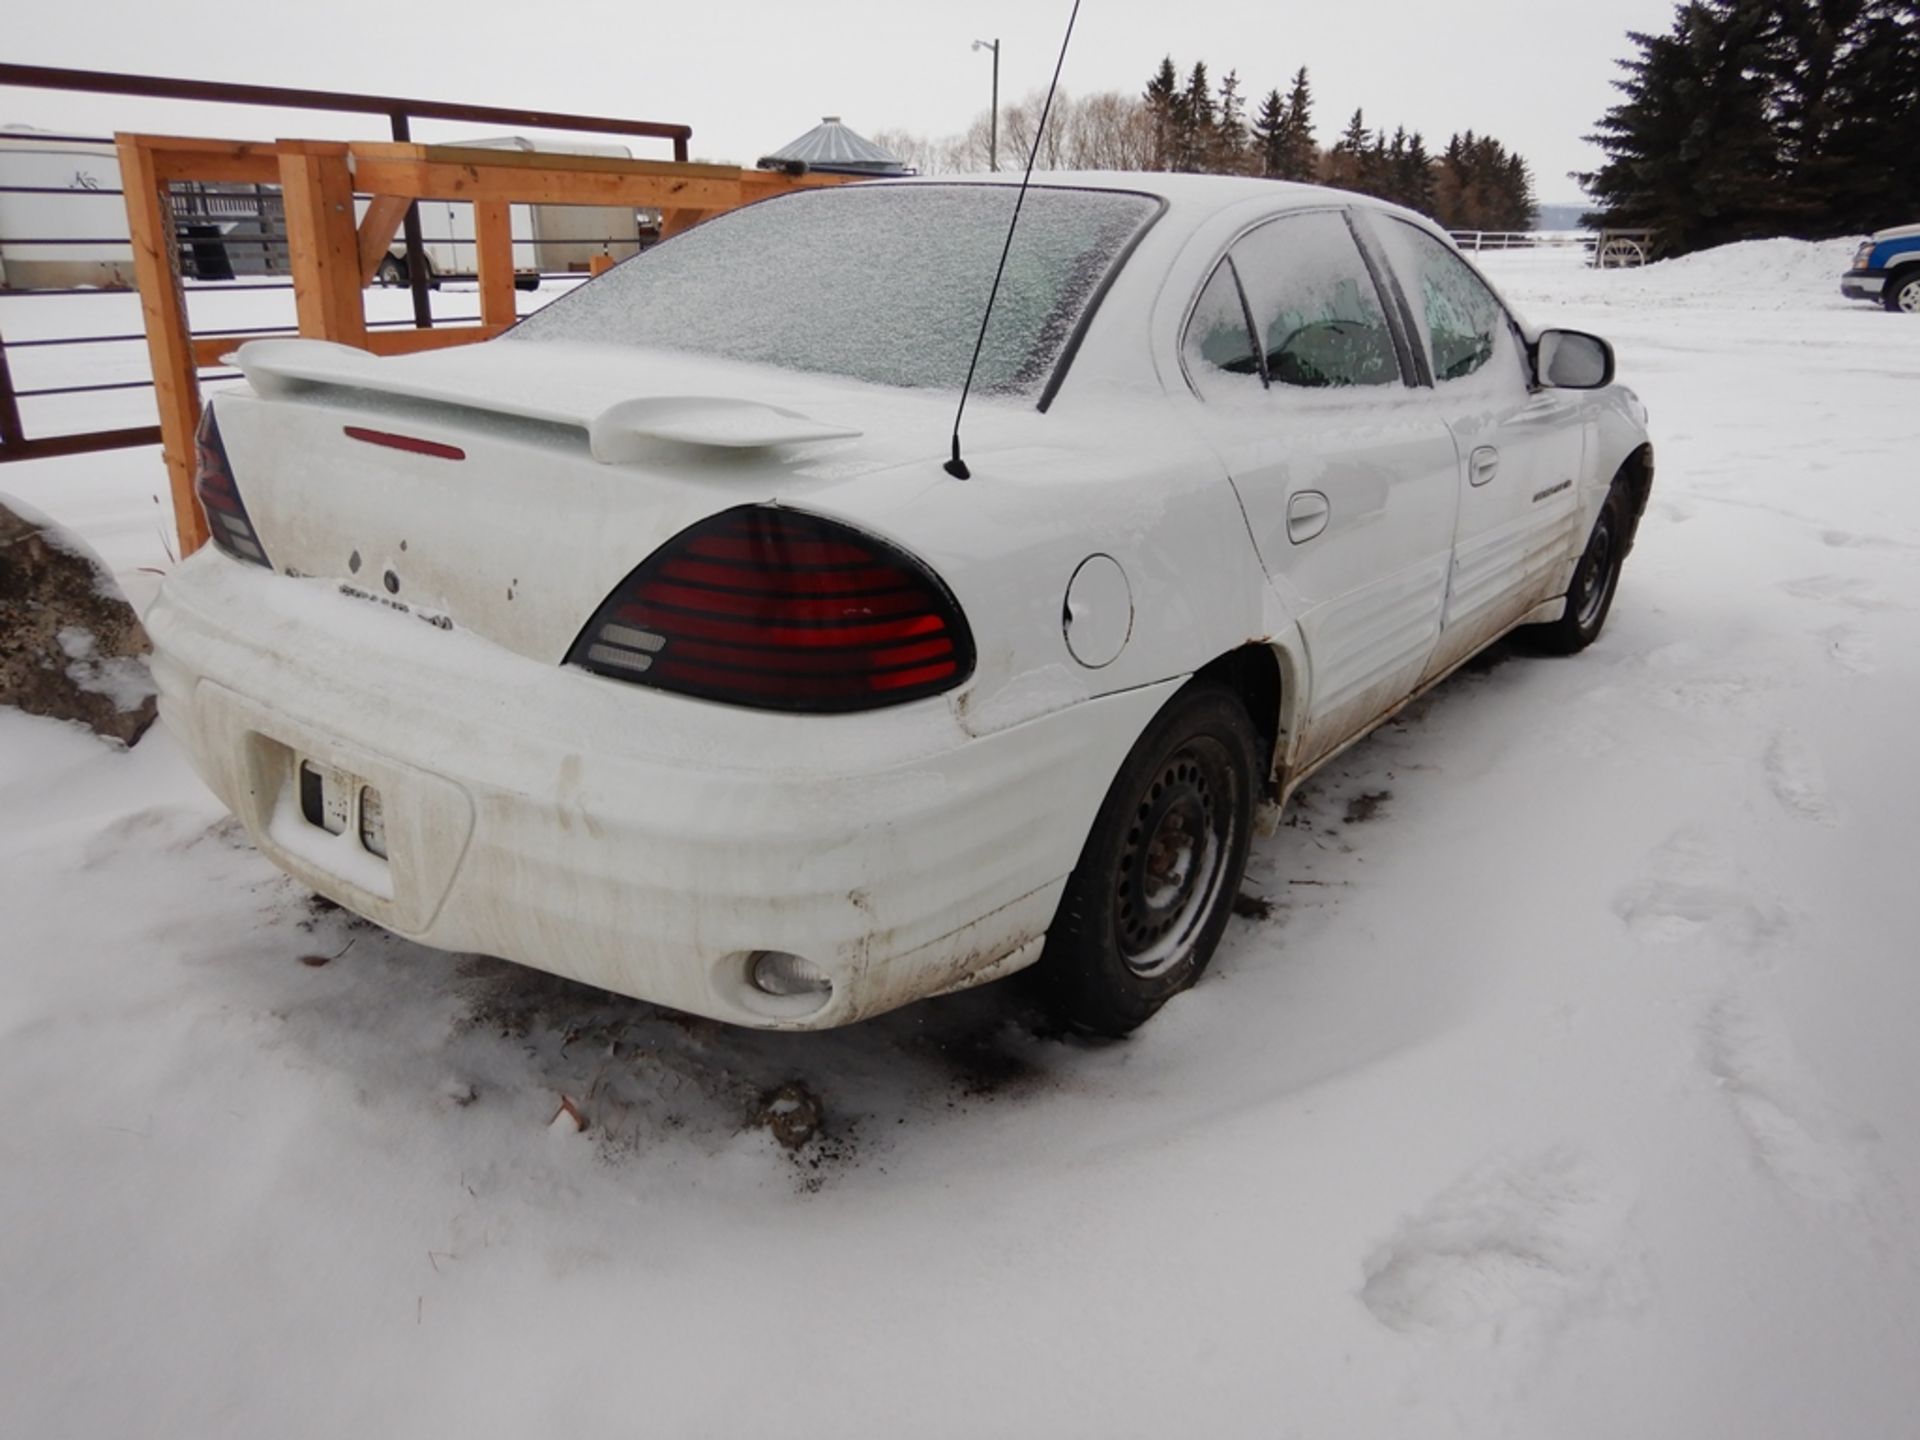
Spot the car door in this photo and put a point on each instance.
(1521, 446)
(1347, 474)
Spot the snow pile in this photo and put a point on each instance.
(1764, 275)
(1567, 1090)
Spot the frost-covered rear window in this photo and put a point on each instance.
(879, 283)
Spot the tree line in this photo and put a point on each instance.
(1754, 118)
(1193, 126)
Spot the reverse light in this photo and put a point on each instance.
(781, 610)
(213, 484)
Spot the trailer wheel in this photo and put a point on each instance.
(392, 271)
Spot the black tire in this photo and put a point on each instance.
(1596, 579)
(1180, 812)
(1902, 294)
(392, 271)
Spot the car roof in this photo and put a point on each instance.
(1191, 199)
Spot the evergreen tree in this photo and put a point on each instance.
(1296, 155)
(1161, 93)
(1691, 153)
(1195, 123)
(1480, 185)
(1348, 161)
(1840, 74)
(1876, 115)
(1765, 117)
(1269, 126)
(1417, 188)
(1230, 133)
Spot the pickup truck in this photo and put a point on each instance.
(1886, 268)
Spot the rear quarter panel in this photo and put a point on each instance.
(1100, 477)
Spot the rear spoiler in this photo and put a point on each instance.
(622, 432)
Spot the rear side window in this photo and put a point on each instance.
(1461, 322)
(1315, 308)
(1218, 349)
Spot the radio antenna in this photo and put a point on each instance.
(957, 467)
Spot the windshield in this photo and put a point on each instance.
(878, 283)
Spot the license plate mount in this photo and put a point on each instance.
(341, 803)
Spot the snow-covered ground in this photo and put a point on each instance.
(1568, 1090)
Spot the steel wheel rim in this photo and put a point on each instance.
(1174, 857)
(1596, 576)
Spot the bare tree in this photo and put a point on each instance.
(909, 149)
(1109, 131)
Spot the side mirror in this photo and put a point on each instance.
(1573, 360)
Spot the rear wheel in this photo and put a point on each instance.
(1903, 292)
(1595, 579)
(1146, 905)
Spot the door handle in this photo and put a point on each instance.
(1484, 465)
(1307, 515)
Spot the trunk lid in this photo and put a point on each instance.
(537, 476)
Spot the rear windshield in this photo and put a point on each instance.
(879, 283)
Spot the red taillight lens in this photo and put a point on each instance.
(781, 611)
(220, 497)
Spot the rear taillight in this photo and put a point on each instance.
(220, 497)
(781, 611)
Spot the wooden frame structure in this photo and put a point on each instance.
(333, 255)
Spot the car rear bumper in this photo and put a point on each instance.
(634, 840)
(1863, 284)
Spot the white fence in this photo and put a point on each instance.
(1523, 239)
(1605, 249)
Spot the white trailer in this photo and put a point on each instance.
(69, 191)
(549, 239)
(53, 189)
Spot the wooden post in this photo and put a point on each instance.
(493, 240)
(673, 221)
(323, 246)
(384, 214)
(176, 382)
(331, 259)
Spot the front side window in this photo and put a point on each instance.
(1462, 323)
(883, 283)
(1314, 305)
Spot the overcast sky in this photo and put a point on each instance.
(750, 75)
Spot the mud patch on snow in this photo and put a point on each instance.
(990, 1058)
(1252, 907)
(1364, 806)
(643, 1076)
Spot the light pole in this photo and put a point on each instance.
(993, 115)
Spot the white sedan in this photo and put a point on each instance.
(652, 645)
